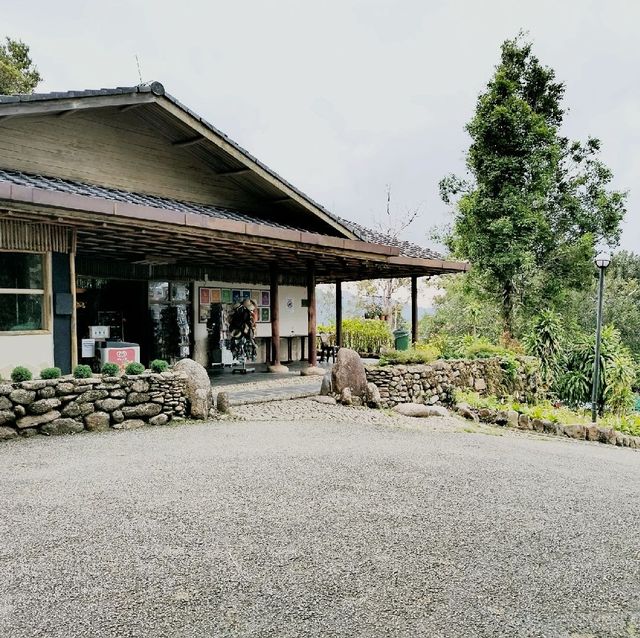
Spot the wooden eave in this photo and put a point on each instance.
(132, 232)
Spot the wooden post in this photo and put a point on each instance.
(311, 316)
(74, 315)
(339, 313)
(275, 319)
(414, 309)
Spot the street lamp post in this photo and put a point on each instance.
(602, 261)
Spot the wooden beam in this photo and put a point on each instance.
(279, 200)
(311, 316)
(414, 309)
(188, 142)
(339, 313)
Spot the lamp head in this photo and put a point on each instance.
(602, 259)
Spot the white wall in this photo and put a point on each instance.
(293, 321)
(32, 351)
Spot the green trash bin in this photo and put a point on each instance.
(401, 337)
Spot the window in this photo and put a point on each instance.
(22, 292)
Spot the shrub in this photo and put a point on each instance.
(423, 354)
(134, 368)
(110, 370)
(20, 373)
(82, 372)
(159, 365)
(544, 343)
(51, 373)
(367, 336)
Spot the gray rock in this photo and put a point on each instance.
(346, 398)
(5, 389)
(420, 410)
(537, 425)
(35, 420)
(198, 387)
(574, 431)
(7, 416)
(373, 396)
(160, 419)
(109, 405)
(5, 403)
(348, 372)
(43, 405)
(34, 385)
(501, 417)
(480, 385)
(62, 426)
(92, 395)
(97, 421)
(222, 403)
(129, 424)
(592, 432)
(75, 409)
(117, 416)
(65, 387)
(7, 433)
(133, 398)
(23, 397)
(524, 422)
(47, 393)
(144, 410)
(465, 411)
(20, 410)
(512, 418)
(326, 388)
(487, 415)
(140, 385)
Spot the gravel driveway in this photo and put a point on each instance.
(310, 528)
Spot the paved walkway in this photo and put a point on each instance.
(309, 528)
(263, 387)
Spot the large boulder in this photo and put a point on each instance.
(198, 388)
(348, 372)
(420, 410)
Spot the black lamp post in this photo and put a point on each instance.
(602, 260)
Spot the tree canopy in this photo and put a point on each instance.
(18, 74)
(535, 203)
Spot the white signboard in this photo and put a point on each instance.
(88, 348)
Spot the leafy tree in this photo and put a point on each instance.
(537, 202)
(17, 72)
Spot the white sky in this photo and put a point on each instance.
(342, 97)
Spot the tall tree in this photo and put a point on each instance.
(536, 203)
(17, 72)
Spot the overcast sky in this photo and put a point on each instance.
(343, 97)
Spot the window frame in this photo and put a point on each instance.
(45, 292)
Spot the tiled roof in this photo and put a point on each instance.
(407, 248)
(89, 190)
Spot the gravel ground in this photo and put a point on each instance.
(303, 527)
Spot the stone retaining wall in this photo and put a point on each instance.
(434, 383)
(68, 405)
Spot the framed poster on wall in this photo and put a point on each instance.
(205, 295)
(265, 315)
(225, 295)
(214, 295)
(265, 298)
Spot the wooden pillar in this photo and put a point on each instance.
(339, 313)
(311, 315)
(74, 315)
(414, 309)
(275, 319)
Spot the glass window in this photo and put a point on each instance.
(21, 270)
(21, 292)
(20, 312)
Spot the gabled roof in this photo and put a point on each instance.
(154, 92)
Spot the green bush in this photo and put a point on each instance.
(159, 365)
(110, 370)
(367, 336)
(20, 373)
(82, 372)
(134, 368)
(51, 373)
(423, 354)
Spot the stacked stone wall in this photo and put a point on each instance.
(436, 382)
(68, 405)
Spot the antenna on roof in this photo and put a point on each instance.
(139, 71)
